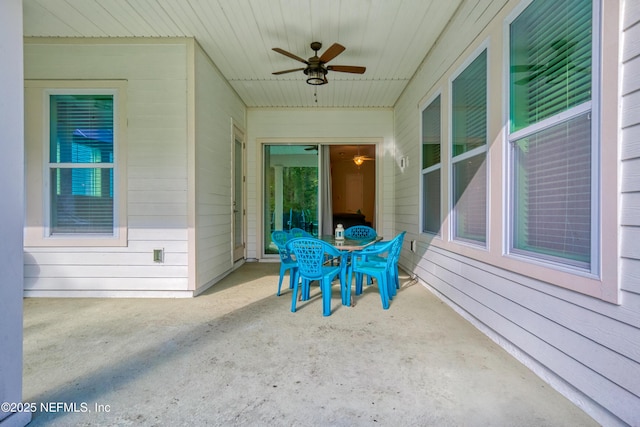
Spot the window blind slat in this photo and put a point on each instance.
(550, 55)
(431, 134)
(553, 206)
(431, 202)
(551, 60)
(469, 109)
(81, 133)
(431, 146)
(469, 131)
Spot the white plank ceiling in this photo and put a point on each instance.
(390, 38)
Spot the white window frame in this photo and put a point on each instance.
(484, 46)
(38, 230)
(593, 106)
(432, 168)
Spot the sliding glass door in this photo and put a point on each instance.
(291, 190)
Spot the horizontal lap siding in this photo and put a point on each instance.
(630, 153)
(216, 105)
(588, 349)
(560, 336)
(156, 77)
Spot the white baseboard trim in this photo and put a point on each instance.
(106, 294)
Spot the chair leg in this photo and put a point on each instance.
(280, 280)
(291, 276)
(391, 288)
(359, 283)
(306, 289)
(294, 294)
(326, 296)
(345, 290)
(383, 288)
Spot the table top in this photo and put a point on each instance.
(347, 244)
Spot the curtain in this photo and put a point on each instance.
(325, 193)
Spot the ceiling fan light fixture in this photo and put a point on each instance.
(316, 76)
(358, 160)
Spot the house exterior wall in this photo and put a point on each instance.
(156, 172)
(630, 153)
(581, 344)
(310, 125)
(217, 108)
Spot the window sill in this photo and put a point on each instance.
(34, 238)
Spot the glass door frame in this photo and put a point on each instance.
(265, 202)
(320, 142)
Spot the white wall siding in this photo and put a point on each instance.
(216, 105)
(156, 75)
(326, 125)
(630, 154)
(586, 348)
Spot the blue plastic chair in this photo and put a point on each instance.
(358, 232)
(287, 261)
(311, 255)
(395, 277)
(381, 269)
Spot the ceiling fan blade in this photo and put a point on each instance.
(287, 71)
(290, 55)
(347, 69)
(333, 51)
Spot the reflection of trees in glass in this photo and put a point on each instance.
(271, 188)
(296, 193)
(300, 188)
(300, 191)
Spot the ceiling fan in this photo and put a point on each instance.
(359, 160)
(316, 69)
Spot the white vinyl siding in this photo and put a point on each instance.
(216, 105)
(173, 163)
(154, 169)
(579, 334)
(630, 155)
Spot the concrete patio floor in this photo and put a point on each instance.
(236, 355)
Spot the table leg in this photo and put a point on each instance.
(345, 282)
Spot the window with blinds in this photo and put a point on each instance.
(431, 142)
(468, 151)
(81, 162)
(550, 131)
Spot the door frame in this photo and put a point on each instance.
(260, 201)
(238, 249)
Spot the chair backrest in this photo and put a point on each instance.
(310, 255)
(396, 248)
(360, 232)
(280, 238)
(299, 232)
